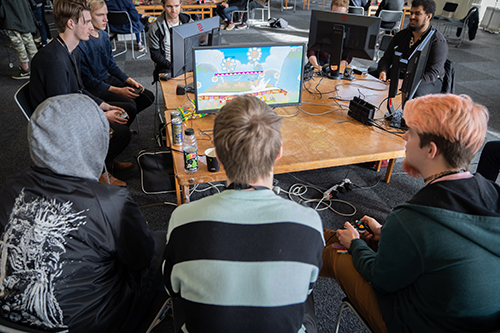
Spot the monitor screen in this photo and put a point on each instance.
(189, 35)
(360, 32)
(272, 73)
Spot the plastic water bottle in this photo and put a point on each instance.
(190, 148)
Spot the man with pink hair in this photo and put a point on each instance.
(436, 261)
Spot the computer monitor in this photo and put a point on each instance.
(343, 34)
(186, 36)
(270, 72)
(411, 70)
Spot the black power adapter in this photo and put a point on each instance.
(361, 111)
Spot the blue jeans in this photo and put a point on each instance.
(225, 13)
(41, 23)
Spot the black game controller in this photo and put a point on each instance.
(361, 226)
(138, 90)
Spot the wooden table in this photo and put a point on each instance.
(156, 10)
(309, 142)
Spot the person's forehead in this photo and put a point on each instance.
(418, 9)
(172, 2)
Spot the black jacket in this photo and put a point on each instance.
(81, 242)
(16, 15)
(437, 54)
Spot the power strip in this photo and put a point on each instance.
(361, 111)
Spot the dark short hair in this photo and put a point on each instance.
(247, 139)
(429, 5)
(65, 10)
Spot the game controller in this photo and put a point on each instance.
(123, 115)
(138, 90)
(361, 227)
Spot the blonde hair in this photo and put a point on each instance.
(454, 123)
(96, 4)
(65, 10)
(247, 139)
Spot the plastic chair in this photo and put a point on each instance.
(448, 9)
(22, 98)
(241, 12)
(346, 303)
(263, 20)
(356, 10)
(120, 18)
(461, 28)
(391, 20)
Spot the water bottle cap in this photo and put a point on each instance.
(189, 131)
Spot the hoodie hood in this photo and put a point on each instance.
(69, 134)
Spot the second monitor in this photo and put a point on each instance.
(185, 37)
(340, 34)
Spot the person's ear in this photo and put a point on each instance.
(280, 153)
(433, 150)
(70, 24)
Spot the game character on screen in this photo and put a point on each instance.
(438, 257)
(249, 241)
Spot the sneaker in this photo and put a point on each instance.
(230, 26)
(38, 40)
(241, 26)
(224, 25)
(22, 74)
(141, 48)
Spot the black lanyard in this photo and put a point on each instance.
(73, 62)
(240, 186)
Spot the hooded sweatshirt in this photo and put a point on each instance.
(75, 253)
(437, 268)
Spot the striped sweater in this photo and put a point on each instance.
(242, 261)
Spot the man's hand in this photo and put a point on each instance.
(124, 91)
(224, 5)
(114, 117)
(374, 226)
(347, 235)
(382, 76)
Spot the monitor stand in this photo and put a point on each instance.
(332, 69)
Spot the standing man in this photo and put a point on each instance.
(56, 71)
(438, 259)
(15, 17)
(244, 260)
(159, 35)
(407, 40)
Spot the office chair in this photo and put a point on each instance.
(22, 98)
(391, 21)
(240, 12)
(346, 303)
(121, 18)
(356, 10)
(461, 27)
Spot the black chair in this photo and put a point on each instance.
(461, 27)
(391, 21)
(448, 9)
(356, 10)
(22, 98)
(121, 18)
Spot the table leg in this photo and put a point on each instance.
(378, 164)
(185, 193)
(178, 192)
(388, 172)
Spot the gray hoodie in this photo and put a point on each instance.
(69, 134)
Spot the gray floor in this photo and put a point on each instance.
(477, 75)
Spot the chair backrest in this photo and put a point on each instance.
(356, 10)
(391, 19)
(22, 98)
(449, 78)
(119, 18)
(450, 7)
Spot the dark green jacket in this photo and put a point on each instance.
(16, 15)
(438, 264)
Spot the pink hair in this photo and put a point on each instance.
(456, 119)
